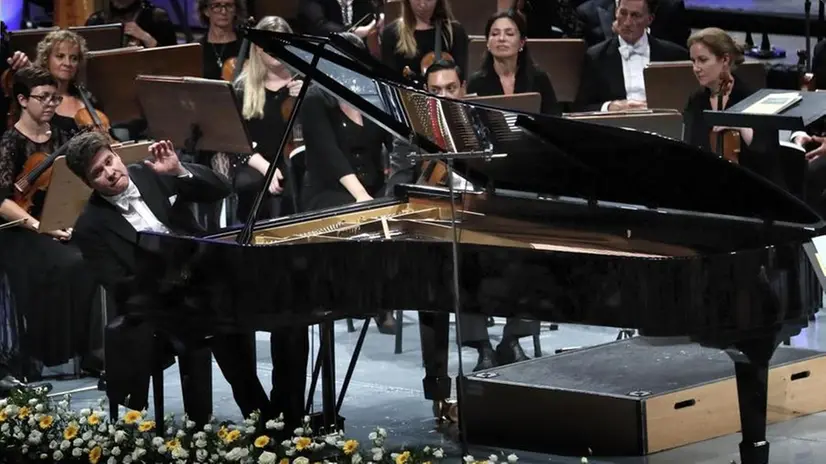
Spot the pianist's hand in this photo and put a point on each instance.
(164, 160)
(819, 151)
(64, 235)
(18, 60)
(625, 105)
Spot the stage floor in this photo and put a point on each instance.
(386, 391)
(767, 7)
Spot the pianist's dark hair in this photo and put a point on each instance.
(81, 150)
(443, 65)
(30, 77)
(524, 62)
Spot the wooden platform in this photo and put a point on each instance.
(629, 398)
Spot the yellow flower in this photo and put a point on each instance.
(350, 446)
(146, 426)
(222, 433)
(285, 461)
(232, 436)
(403, 458)
(3, 415)
(46, 422)
(94, 455)
(94, 419)
(262, 441)
(173, 444)
(132, 417)
(71, 431)
(303, 443)
(24, 413)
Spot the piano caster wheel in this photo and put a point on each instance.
(446, 411)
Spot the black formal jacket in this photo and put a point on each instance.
(323, 17)
(670, 21)
(528, 79)
(602, 78)
(110, 247)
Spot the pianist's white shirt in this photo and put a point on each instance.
(131, 205)
(634, 60)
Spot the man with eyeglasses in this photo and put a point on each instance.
(51, 288)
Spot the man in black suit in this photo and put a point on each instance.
(670, 21)
(138, 199)
(612, 73)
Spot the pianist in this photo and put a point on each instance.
(139, 199)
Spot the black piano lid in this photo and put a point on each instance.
(554, 156)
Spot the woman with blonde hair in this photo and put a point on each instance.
(63, 54)
(405, 41)
(715, 57)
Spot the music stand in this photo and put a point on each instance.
(194, 113)
(561, 58)
(111, 74)
(668, 123)
(769, 157)
(530, 102)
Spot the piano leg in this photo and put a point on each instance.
(751, 366)
(434, 332)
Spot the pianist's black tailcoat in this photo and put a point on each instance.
(110, 246)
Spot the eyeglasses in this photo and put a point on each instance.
(217, 7)
(47, 99)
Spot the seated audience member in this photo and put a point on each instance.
(133, 199)
(507, 67)
(670, 20)
(612, 73)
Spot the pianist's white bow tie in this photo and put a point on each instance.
(131, 194)
(628, 50)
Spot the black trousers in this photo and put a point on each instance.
(290, 350)
(474, 328)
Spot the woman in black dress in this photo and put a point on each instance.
(221, 42)
(264, 87)
(507, 67)
(405, 41)
(63, 53)
(52, 289)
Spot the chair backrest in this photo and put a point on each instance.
(669, 84)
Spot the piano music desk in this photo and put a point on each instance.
(630, 398)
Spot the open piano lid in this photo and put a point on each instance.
(546, 155)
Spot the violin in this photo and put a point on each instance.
(726, 142)
(431, 57)
(128, 40)
(230, 70)
(35, 177)
(90, 118)
(297, 136)
(372, 40)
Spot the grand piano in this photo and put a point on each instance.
(578, 223)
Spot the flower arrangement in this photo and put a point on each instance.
(36, 428)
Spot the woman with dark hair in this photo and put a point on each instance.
(410, 38)
(507, 67)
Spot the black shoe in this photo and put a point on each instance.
(386, 322)
(486, 360)
(510, 351)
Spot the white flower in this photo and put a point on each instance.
(5, 428)
(78, 442)
(138, 453)
(208, 428)
(162, 449)
(439, 453)
(372, 436)
(469, 459)
(85, 412)
(200, 443)
(34, 437)
(180, 453)
(234, 455)
(289, 451)
(286, 443)
(120, 436)
(382, 432)
(65, 444)
(87, 435)
(331, 440)
(584, 460)
(180, 434)
(298, 432)
(76, 452)
(356, 459)
(157, 441)
(301, 460)
(266, 458)
(112, 460)
(493, 458)
(127, 459)
(512, 458)
(250, 430)
(102, 428)
(201, 455)
(32, 401)
(306, 419)
(39, 408)
(58, 455)
(190, 424)
(116, 451)
(139, 443)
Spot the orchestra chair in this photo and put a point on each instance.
(561, 58)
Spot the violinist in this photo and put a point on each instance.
(409, 40)
(144, 24)
(264, 87)
(325, 17)
(221, 42)
(507, 67)
(715, 57)
(63, 54)
(46, 273)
